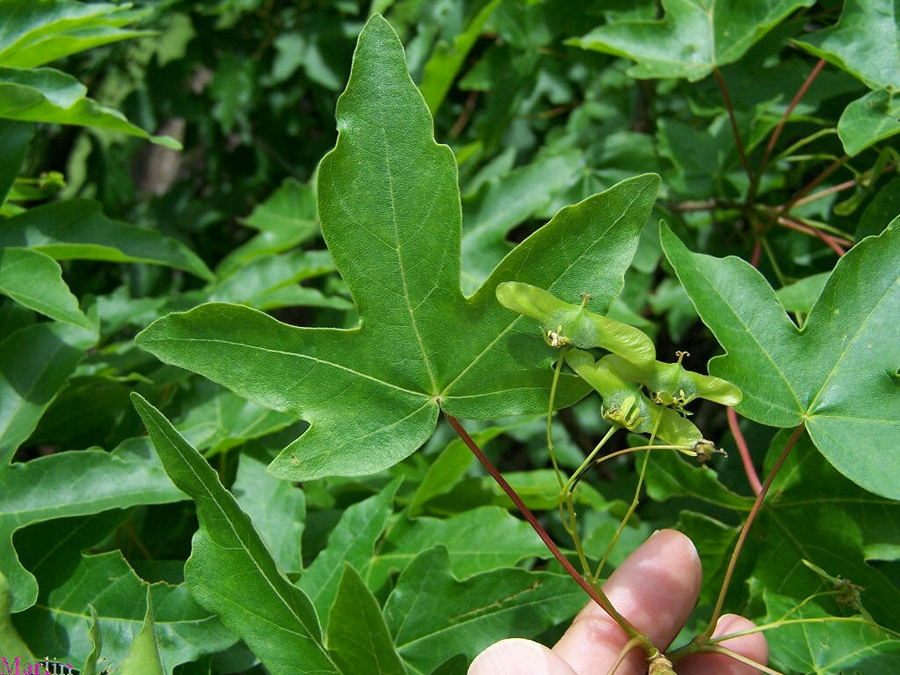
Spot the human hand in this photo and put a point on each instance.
(655, 589)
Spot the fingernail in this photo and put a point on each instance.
(511, 656)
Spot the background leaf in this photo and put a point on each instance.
(358, 637)
(71, 484)
(230, 571)
(828, 376)
(432, 616)
(693, 38)
(143, 657)
(35, 280)
(350, 542)
(77, 229)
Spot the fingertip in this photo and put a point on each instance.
(658, 585)
(655, 588)
(752, 646)
(517, 656)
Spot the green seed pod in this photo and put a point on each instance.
(564, 324)
(625, 405)
(672, 385)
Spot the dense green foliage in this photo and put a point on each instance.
(521, 214)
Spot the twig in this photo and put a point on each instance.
(776, 132)
(595, 594)
(734, 127)
(744, 451)
(704, 205)
(757, 250)
(464, 115)
(834, 243)
(802, 192)
(827, 191)
(742, 537)
(716, 649)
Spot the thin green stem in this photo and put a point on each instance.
(553, 386)
(567, 515)
(585, 465)
(623, 654)
(635, 500)
(595, 593)
(630, 512)
(794, 622)
(772, 260)
(716, 649)
(703, 638)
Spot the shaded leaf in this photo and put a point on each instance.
(35, 33)
(358, 637)
(71, 484)
(35, 364)
(230, 571)
(449, 467)
(444, 64)
(504, 203)
(143, 657)
(34, 279)
(14, 139)
(836, 375)
(870, 119)
(829, 647)
(284, 220)
(693, 38)
(351, 541)
(432, 616)
(107, 585)
(801, 295)
(864, 42)
(78, 229)
(48, 95)
(478, 540)
(273, 281)
(218, 420)
(10, 642)
(669, 475)
(276, 507)
(849, 527)
(389, 206)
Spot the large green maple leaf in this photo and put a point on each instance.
(837, 375)
(390, 213)
(693, 38)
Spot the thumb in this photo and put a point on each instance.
(517, 656)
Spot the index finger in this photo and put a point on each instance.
(655, 589)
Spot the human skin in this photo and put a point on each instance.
(655, 589)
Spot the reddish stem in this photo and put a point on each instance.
(595, 594)
(726, 97)
(744, 451)
(757, 250)
(703, 638)
(776, 133)
(834, 243)
(827, 191)
(827, 171)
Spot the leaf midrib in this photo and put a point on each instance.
(298, 355)
(234, 530)
(843, 353)
(516, 319)
(737, 317)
